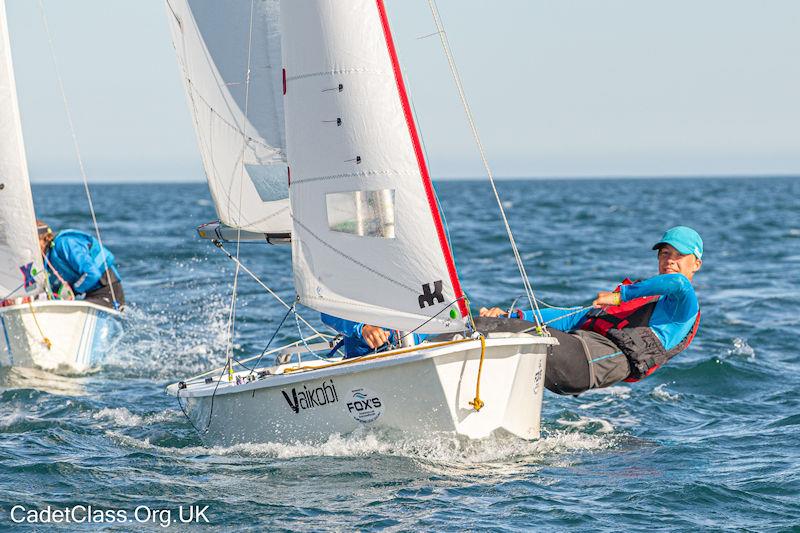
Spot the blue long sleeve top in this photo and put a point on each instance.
(80, 260)
(673, 317)
(354, 343)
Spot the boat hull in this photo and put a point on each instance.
(81, 335)
(422, 393)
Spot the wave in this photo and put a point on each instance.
(447, 449)
(661, 393)
(123, 417)
(741, 348)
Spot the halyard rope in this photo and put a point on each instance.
(77, 152)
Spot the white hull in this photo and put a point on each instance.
(424, 392)
(81, 335)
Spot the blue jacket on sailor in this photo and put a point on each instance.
(80, 260)
(354, 343)
(672, 319)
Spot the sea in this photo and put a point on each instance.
(711, 442)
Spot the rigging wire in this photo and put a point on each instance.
(462, 95)
(249, 272)
(77, 150)
(283, 320)
(232, 312)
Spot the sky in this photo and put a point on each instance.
(559, 88)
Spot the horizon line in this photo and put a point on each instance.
(178, 181)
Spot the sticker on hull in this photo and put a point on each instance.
(364, 405)
(302, 398)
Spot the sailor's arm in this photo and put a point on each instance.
(676, 285)
(562, 319)
(372, 335)
(676, 289)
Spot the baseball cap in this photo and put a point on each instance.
(684, 239)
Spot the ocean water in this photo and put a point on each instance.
(709, 442)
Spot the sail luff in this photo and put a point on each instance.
(21, 272)
(368, 243)
(423, 167)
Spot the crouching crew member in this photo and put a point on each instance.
(76, 263)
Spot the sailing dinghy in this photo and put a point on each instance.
(37, 331)
(307, 136)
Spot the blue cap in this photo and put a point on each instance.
(684, 239)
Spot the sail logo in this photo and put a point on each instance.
(364, 405)
(29, 282)
(537, 379)
(428, 296)
(306, 398)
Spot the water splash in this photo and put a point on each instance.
(661, 393)
(741, 348)
(124, 418)
(444, 449)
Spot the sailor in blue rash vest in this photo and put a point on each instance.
(77, 263)
(362, 339)
(629, 332)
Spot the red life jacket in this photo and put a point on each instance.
(628, 326)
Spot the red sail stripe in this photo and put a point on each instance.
(423, 168)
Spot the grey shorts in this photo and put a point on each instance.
(584, 360)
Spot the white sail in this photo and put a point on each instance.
(239, 126)
(368, 242)
(21, 271)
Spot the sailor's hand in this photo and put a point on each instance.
(374, 336)
(493, 312)
(606, 298)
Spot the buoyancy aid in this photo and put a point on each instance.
(628, 326)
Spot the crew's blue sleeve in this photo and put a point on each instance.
(348, 328)
(78, 257)
(676, 289)
(555, 318)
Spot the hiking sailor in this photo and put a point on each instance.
(631, 331)
(77, 263)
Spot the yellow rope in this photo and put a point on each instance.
(477, 403)
(376, 356)
(45, 340)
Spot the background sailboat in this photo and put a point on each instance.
(73, 336)
(368, 242)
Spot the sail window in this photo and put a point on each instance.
(362, 213)
(270, 181)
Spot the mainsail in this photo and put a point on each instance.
(21, 271)
(239, 123)
(368, 243)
